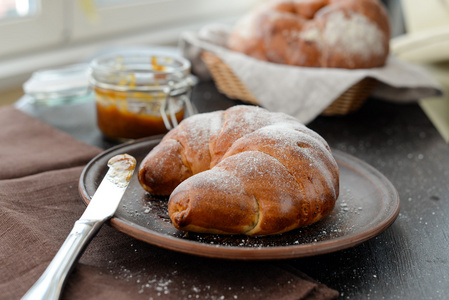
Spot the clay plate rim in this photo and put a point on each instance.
(386, 197)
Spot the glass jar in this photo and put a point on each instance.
(139, 94)
(60, 86)
(62, 98)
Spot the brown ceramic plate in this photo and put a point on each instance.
(368, 204)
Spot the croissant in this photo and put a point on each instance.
(244, 170)
(350, 34)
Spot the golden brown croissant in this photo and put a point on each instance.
(242, 171)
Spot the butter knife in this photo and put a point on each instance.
(102, 207)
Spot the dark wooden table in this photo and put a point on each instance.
(410, 260)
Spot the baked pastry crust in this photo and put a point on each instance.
(242, 171)
(351, 34)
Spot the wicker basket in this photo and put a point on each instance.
(230, 85)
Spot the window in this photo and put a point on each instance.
(133, 17)
(27, 26)
(10, 9)
(36, 34)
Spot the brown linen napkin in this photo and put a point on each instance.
(39, 202)
(29, 147)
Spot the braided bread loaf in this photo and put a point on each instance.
(349, 34)
(242, 171)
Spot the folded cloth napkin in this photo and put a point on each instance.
(303, 92)
(39, 203)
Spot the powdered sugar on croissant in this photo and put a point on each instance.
(242, 171)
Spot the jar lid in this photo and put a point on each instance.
(64, 82)
(141, 71)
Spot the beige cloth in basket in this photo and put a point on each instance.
(304, 92)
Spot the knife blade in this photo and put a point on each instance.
(102, 207)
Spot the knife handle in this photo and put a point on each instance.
(50, 284)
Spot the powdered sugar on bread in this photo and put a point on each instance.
(354, 34)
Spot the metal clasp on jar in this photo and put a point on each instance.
(184, 96)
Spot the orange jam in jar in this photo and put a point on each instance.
(140, 94)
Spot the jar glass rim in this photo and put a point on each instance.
(140, 62)
(141, 71)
